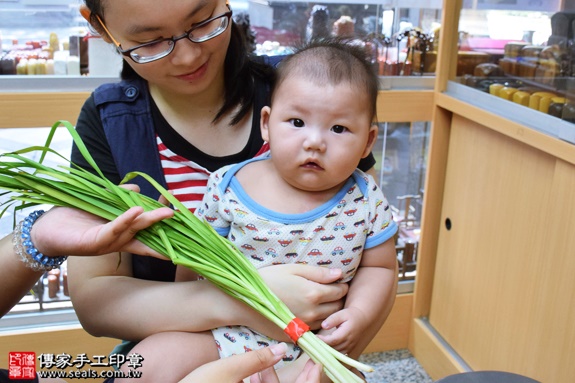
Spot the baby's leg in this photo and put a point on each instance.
(170, 356)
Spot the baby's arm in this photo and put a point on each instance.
(369, 300)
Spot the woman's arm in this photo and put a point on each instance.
(16, 279)
(63, 231)
(110, 302)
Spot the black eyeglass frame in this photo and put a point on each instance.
(128, 52)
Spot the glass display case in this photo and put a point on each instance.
(522, 52)
(401, 153)
(41, 37)
(51, 37)
(397, 34)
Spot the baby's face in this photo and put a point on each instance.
(318, 132)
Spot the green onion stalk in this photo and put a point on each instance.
(184, 239)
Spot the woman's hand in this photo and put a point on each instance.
(311, 373)
(257, 364)
(68, 231)
(308, 291)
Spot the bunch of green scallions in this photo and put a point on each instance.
(184, 239)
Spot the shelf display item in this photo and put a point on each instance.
(399, 39)
(534, 74)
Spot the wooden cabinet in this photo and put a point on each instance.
(495, 286)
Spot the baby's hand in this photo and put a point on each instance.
(346, 327)
(307, 290)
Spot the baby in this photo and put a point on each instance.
(306, 202)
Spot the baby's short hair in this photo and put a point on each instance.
(332, 61)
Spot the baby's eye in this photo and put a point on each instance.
(338, 129)
(297, 122)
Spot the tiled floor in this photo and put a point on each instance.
(397, 366)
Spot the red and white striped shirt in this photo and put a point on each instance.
(185, 178)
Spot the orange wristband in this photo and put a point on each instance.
(295, 329)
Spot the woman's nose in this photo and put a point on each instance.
(185, 52)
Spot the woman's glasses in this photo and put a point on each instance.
(157, 49)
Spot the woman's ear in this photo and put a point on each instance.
(264, 123)
(371, 139)
(87, 15)
(85, 12)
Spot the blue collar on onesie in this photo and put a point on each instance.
(358, 177)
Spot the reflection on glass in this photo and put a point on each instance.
(401, 152)
(521, 53)
(398, 39)
(49, 38)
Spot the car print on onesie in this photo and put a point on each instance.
(338, 250)
(339, 226)
(284, 242)
(315, 253)
(271, 252)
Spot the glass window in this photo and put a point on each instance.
(49, 38)
(397, 37)
(520, 51)
(50, 293)
(34, 20)
(401, 153)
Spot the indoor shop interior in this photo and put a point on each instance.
(474, 152)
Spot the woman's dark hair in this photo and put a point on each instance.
(240, 69)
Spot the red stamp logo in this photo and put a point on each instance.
(21, 365)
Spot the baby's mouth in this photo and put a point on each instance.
(311, 165)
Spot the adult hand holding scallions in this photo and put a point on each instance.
(184, 239)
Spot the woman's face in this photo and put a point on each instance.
(191, 68)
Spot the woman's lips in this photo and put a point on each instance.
(195, 75)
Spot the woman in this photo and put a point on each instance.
(189, 104)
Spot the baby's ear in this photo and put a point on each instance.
(264, 123)
(371, 139)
